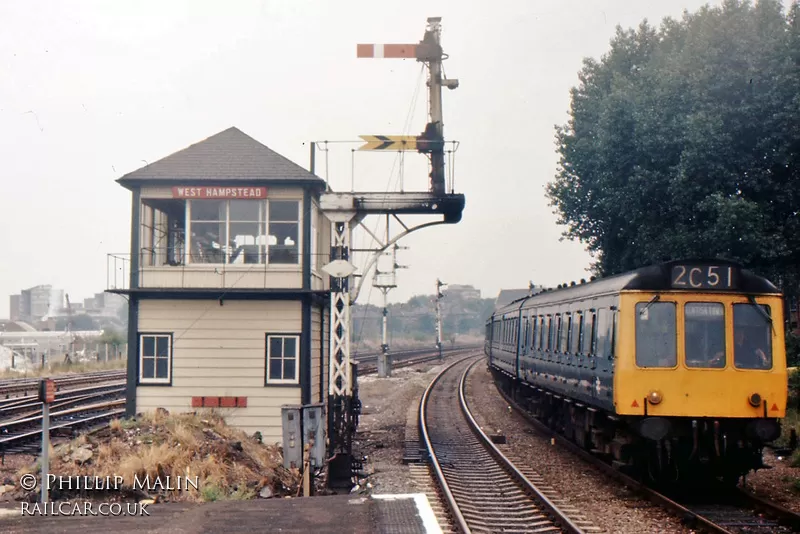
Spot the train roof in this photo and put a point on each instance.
(659, 277)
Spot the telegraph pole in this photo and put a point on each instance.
(439, 296)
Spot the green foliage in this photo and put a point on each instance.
(793, 355)
(112, 337)
(80, 322)
(416, 319)
(684, 141)
(212, 492)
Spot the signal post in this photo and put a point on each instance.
(347, 210)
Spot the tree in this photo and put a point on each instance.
(684, 142)
(80, 322)
(112, 337)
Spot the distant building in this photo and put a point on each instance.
(465, 292)
(507, 296)
(14, 307)
(44, 307)
(36, 303)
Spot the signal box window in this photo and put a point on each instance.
(282, 356)
(704, 334)
(155, 355)
(656, 334)
(752, 329)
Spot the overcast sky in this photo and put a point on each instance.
(93, 90)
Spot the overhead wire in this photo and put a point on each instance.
(398, 156)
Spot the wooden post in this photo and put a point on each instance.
(307, 469)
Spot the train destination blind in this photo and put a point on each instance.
(688, 276)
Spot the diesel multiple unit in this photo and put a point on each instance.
(672, 370)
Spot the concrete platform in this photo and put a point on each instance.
(380, 514)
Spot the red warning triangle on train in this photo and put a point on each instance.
(635, 404)
(774, 407)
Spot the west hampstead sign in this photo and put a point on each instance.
(219, 192)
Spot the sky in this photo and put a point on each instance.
(93, 90)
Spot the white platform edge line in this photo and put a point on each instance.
(429, 520)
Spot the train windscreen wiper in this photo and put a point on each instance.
(650, 303)
(764, 314)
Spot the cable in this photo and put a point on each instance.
(218, 299)
(406, 128)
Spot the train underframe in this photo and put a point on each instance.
(660, 450)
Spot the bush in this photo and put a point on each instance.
(792, 349)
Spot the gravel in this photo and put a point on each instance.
(611, 506)
(777, 484)
(381, 430)
(608, 504)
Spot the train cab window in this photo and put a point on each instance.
(577, 333)
(656, 334)
(752, 329)
(704, 334)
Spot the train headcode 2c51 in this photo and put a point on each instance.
(47, 390)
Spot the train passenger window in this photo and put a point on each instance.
(558, 334)
(533, 331)
(656, 334)
(593, 336)
(704, 334)
(568, 335)
(577, 333)
(752, 329)
(541, 332)
(550, 333)
(525, 334)
(514, 331)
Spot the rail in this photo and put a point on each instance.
(423, 417)
(467, 461)
(762, 515)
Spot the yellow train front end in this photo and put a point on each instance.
(700, 375)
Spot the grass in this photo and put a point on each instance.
(56, 369)
(227, 463)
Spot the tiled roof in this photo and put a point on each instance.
(230, 155)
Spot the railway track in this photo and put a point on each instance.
(713, 510)
(100, 399)
(15, 387)
(373, 356)
(484, 491)
(408, 358)
(28, 406)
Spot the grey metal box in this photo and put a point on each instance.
(314, 429)
(292, 436)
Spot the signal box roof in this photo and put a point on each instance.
(230, 156)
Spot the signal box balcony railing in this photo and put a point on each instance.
(276, 268)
